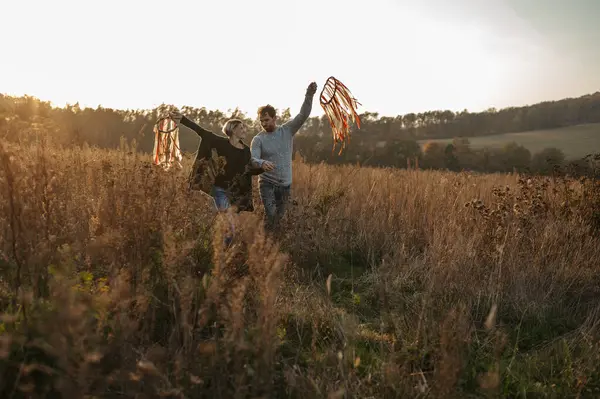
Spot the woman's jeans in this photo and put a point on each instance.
(222, 204)
(221, 199)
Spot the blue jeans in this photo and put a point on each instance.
(222, 203)
(275, 199)
(221, 199)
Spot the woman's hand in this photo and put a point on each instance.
(175, 115)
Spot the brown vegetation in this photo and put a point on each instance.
(380, 141)
(386, 283)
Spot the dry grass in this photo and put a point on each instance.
(114, 283)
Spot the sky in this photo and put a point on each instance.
(395, 56)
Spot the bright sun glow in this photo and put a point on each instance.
(395, 56)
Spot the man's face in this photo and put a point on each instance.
(267, 122)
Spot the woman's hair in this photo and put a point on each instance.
(230, 125)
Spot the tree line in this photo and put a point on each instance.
(381, 141)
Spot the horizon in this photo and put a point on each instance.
(467, 55)
(248, 114)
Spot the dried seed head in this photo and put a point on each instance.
(490, 322)
(93, 357)
(147, 367)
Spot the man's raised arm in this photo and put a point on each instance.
(295, 124)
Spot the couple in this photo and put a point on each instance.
(269, 156)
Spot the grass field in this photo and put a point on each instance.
(575, 141)
(114, 283)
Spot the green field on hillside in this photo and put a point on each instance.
(575, 141)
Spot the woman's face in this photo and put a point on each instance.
(239, 132)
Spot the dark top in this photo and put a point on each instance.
(237, 159)
(235, 176)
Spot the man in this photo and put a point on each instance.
(272, 150)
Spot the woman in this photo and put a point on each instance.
(228, 181)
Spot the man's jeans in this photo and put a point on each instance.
(275, 199)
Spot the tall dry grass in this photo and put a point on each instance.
(114, 282)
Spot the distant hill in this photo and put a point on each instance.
(575, 141)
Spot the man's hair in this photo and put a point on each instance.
(230, 125)
(266, 109)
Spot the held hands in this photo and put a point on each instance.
(253, 170)
(312, 89)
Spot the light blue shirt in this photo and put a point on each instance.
(277, 147)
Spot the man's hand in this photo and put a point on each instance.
(312, 89)
(268, 166)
